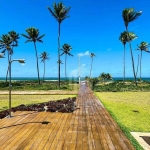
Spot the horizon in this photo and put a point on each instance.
(91, 28)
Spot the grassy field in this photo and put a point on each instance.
(33, 85)
(28, 99)
(131, 110)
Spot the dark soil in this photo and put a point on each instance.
(64, 106)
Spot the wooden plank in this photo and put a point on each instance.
(89, 128)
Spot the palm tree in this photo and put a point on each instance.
(124, 39)
(44, 57)
(60, 62)
(142, 47)
(91, 55)
(33, 36)
(66, 50)
(5, 44)
(14, 38)
(130, 15)
(60, 13)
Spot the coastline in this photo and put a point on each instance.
(54, 79)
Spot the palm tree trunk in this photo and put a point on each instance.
(7, 73)
(8, 67)
(59, 55)
(44, 71)
(124, 65)
(140, 65)
(137, 66)
(91, 67)
(65, 67)
(9, 59)
(37, 63)
(132, 59)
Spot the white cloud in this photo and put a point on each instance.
(87, 53)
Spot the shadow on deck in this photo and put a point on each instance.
(90, 127)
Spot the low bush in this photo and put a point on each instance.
(118, 86)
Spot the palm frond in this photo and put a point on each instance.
(40, 37)
(26, 36)
(62, 54)
(40, 41)
(130, 15)
(28, 41)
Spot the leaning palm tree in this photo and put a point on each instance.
(33, 36)
(142, 47)
(130, 15)
(91, 55)
(66, 48)
(14, 38)
(44, 57)
(60, 13)
(124, 39)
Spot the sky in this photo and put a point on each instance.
(93, 26)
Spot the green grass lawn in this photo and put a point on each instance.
(131, 110)
(28, 99)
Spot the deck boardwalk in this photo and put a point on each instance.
(88, 128)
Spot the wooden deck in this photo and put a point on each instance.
(87, 128)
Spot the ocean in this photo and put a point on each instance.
(63, 78)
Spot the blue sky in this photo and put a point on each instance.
(93, 26)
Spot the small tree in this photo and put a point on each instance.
(66, 48)
(105, 77)
(44, 57)
(143, 47)
(102, 76)
(93, 82)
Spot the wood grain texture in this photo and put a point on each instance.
(88, 128)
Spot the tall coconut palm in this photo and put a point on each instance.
(33, 36)
(142, 47)
(91, 55)
(5, 45)
(66, 48)
(124, 39)
(60, 13)
(44, 57)
(130, 15)
(14, 38)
